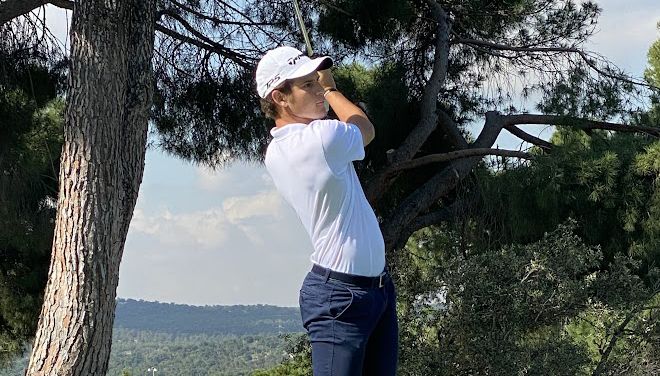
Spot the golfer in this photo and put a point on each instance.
(347, 300)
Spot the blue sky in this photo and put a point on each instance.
(226, 237)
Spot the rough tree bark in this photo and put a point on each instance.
(110, 92)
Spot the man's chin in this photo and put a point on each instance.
(315, 116)
(320, 116)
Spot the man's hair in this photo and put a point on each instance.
(268, 107)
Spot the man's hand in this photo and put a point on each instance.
(346, 111)
(326, 80)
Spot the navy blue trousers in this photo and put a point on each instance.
(353, 330)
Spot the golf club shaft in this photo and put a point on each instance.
(310, 52)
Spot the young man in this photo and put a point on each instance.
(347, 300)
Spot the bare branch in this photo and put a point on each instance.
(450, 127)
(219, 49)
(445, 214)
(495, 46)
(543, 144)
(64, 4)
(203, 42)
(242, 14)
(338, 9)
(600, 368)
(581, 123)
(438, 186)
(10, 9)
(380, 182)
(465, 153)
(217, 21)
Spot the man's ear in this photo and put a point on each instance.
(279, 98)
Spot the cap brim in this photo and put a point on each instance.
(320, 63)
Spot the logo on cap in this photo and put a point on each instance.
(274, 79)
(292, 60)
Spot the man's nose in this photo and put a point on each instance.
(318, 89)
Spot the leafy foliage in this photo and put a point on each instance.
(297, 362)
(210, 121)
(605, 182)
(514, 311)
(653, 71)
(134, 351)
(200, 354)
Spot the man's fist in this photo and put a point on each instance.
(326, 80)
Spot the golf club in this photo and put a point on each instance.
(310, 52)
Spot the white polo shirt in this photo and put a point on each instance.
(312, 167)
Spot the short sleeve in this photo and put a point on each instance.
(342, 142)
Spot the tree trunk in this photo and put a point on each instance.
(396, 228)
(110, 92)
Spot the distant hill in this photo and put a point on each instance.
(210, 320)
(184, 340)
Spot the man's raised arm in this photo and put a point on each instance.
(345, 109)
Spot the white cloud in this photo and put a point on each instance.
(239, 209)
(211, 228)
(206, 229)
(245, 212)
(248, 249)
(142, 224)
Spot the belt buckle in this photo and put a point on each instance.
(381, 277)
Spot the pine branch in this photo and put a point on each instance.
(445, 214)
(64, 4)
(533, 49)
(581, 123)
(545, 145)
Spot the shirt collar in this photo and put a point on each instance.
(286, 130)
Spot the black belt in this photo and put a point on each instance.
(358, 280)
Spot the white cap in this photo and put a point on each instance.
(285, 63)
